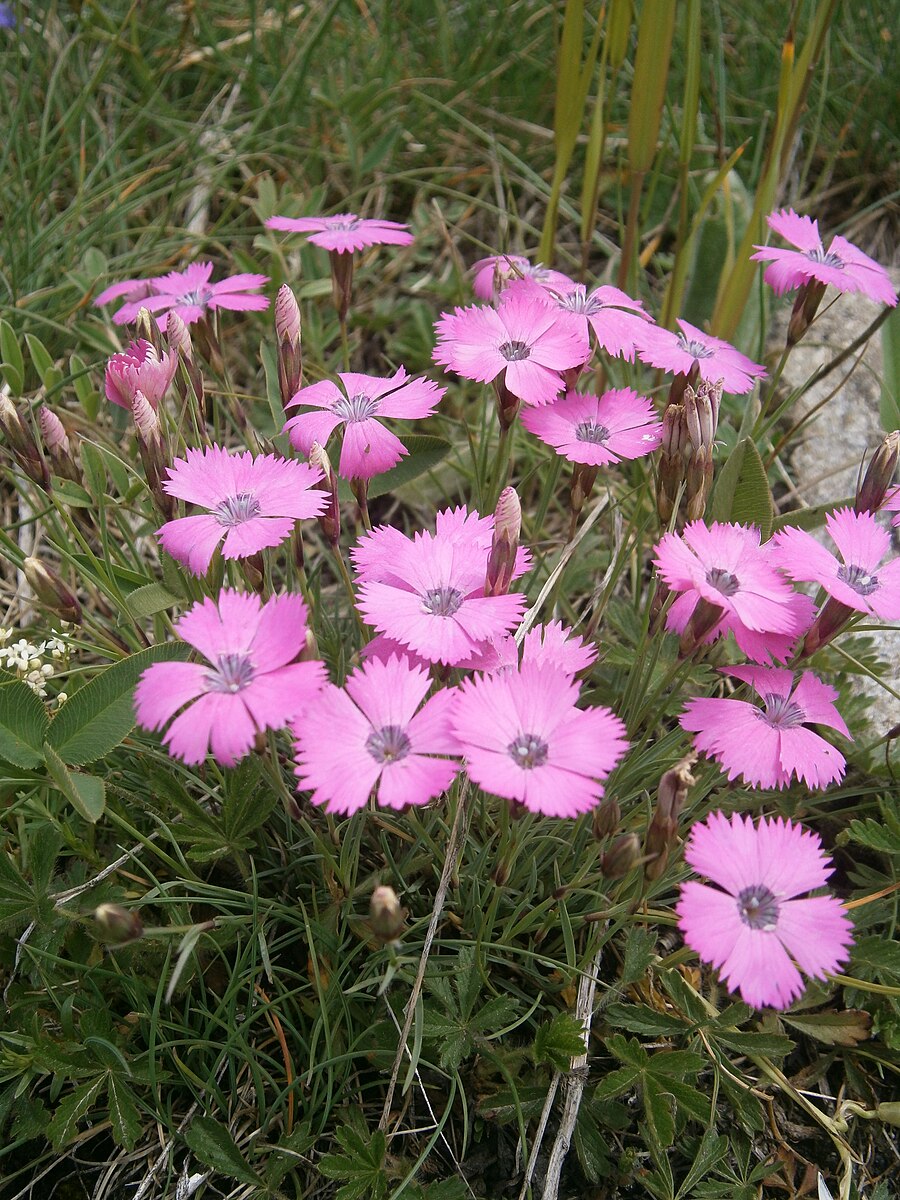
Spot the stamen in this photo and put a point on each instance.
(758, 908)
(781, 712)
(528, 751)
(723, 581)
(695, 349)
(860, 580)
(514, 351)
(388, 744)
(590, 431)
(826, 257)
(237, 509)
(357, 408)
(233, 672)
(442, 601)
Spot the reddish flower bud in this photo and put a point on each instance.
(51, 591)
(341, 282)
(290, 355)
(22, 443)
(663, 828)
(809, 297)
(386, 916)
(622, 856)
(505, 543)
(330, 519)
(871, 493)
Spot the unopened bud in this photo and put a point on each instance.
(702, 622)
(341, 282)
(504, 544)
(606, 818)
(330, 519)
(583, 479)
(622, 856)
(290, 354)
(178, 335)
(152, 452)
(889, 1112)
(386, 916)
(22, 443)
(871, 493)
(830, 621)
(663, 828)
(310, 651)
(51, 591)
(117, 924)
(809, 297)
(57, 444)
(148, 329)
(670, 473)
(507, 404)
(146, 420)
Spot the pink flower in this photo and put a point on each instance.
(892, 504)
(251, 502)
(617, 320)
(751, 927)
(505, 268)
(428, 593)
(597, 430)
(368, 447)
(345, 232)
(132, 289)
(857, 579)
(842, 265)
(768, 746)
(252, 683)
(377, 731)
(691, 351)
(139, 368)
(190, 294)
(550, 645)
(726, 566)
(523, 738)
(525, 339)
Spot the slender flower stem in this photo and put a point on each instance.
(500, 471)
(345, 344)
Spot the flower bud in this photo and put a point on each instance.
(57, 444)
(670, 473)
(703, 620)
(22, 443)
(809, 297)
(330, 519)
(386, 916)
(178, 335)
(663, 828)
(871, 493)
(117, 924)
(504, 544)
(830, 621)
(583, 479)
(152, 451)
(148, 330)
(507, 404)
(341, 282)
(290, 354)
(622, 856)
(606, 818)
(51, 591)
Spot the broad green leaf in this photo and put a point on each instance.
(23, 724)
(70, 1111)
(771, 1044)
(883, 835)
(425, 452)
(890, 379)
(86, 793)
(50, 375)
(211, 1142)
(558, 1041)
(847, 1028)
(12, 364)
(16, 896)
(640, 1018)
(640, 947)
(742, 493)
(98, 716)
(712, 1150)
(73, 494)
(150, 599)
(123, 1113)
(809, 518)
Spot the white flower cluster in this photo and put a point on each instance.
(35, 663)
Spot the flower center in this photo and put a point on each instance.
(357, 408)
(442, 601)
(199, 297)
(388, 744)
(514, 351)
(782, 712)
(528, 751)
(828, 259)
(343, 224)
(695, 349)
(758, 908)
(723, 581)
(590, 431)
(855, 577)
(232, 673)
(237, 509)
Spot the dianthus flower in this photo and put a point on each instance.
(597, 430)
(524, 739)
(133, 290)
(359, 404)
(376, 731)
(552, 645)
(190, 294)
(492, 274)
(525, 340)
(344, 233)
(616, 319)
(139, 368)
(427, 593)
(751, 926)
(251, 503)
(771, 745)
(250, 682)
(694, 352)
(857, 579)
(842, 265)
(725, 566)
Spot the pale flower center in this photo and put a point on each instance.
(357, 408)
(826, 257)
(514, 351)
(343, 224)
(781, 712)
(758, 908)
(233, 672)
(442, 601)
(695, 349)
(723, 581)
(388, 744)
(237, 509)
(528, 751)
(199, 296)
(590, 431)
(861, 581)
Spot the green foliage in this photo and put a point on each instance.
(215, 1147)
(742, 490)
(23, 724)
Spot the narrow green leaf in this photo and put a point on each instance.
(890, 378)
(86, 793)
(94, 470)
(425, 452)
(648, 89)
(50, 375)
(12, 364)
(23, 724)
(267, 354)
(659, 1109)
(98, 716)
(73, 494)
(213, 1145)
(809, 518)
(88, 397)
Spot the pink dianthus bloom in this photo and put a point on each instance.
(524, 739)
(550, 645)
(359, 404)
(492, 274)
(525, 340)
(616, 319)
(726, 566)
(251, 503)
(751, 926)
(376, 731)
(597, 430)
(252, 684)
(857, 579)
(190, 294)
(139, 368)
(132, 289)
(694, 352)
(842, 265)
(427, 593)
(344, 233)
(771, 745)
